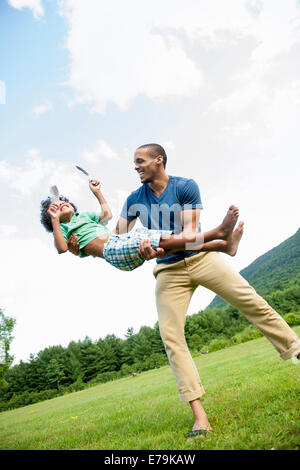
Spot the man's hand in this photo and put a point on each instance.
(73, 245)
(147, 252)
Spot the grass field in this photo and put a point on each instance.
(252, 400)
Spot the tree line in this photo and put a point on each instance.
(57, 370)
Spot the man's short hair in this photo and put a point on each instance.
(155, 150)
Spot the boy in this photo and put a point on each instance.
(122, 251)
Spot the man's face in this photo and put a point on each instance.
(146, 165)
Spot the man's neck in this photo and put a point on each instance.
(159, 184)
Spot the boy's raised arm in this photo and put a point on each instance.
(106, 212)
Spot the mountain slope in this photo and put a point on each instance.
(273, 269)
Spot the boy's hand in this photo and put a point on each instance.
(94, 185)
(73, 245)
(147, 252)
(53, 210)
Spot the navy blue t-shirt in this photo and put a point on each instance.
(164, 212)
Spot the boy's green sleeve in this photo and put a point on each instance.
(95, 217)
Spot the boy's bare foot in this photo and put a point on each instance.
(228, 224)
(234, 240)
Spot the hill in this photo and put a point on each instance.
(272, 270)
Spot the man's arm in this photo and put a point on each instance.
(124, 225)
(146, 251)
(73, 245)
(190, 220)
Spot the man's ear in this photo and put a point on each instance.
(159, 159)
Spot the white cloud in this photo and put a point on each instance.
(168, 145)
(146, 49)
(101, 151)
(7, 230)
(238, 130)
(35, 5)
(38, 174)
(254, 7)
(117, 55)
(42, 108)
(276, 31)
(2, 92)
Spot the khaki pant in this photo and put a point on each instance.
(174, 288)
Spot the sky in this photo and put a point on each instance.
(85, 83)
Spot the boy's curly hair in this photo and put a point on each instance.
(45, 217)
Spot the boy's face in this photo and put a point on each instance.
(66, 211)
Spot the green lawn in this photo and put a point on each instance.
(252, 400)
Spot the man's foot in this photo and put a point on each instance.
(228, 224)
(204, 425)
(234, 240)
(200, 418)
(200, 430)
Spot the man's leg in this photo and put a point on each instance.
(213, 272)
(174, 288)
(173, 293)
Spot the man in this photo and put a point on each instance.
(174, 203)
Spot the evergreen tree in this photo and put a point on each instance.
(128, 347)
(6, 327)
(158, 345)
(54, 374)
(195, 342)
(144, 343)
(89, 359)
